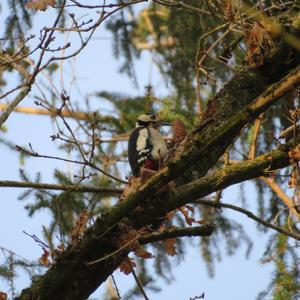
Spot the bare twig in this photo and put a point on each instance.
(123, 247)
(24, 92)
(59, 187)
(200, 57)
(198, 297)
(33, 153)
(250, 215)
(91, 29)
(20, 86)
(81, 151)
(137, 280)
(183, 5)
(115, 285)
(37, 240)
(45, 41)
(111, 5)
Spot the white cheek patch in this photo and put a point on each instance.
(142, 140)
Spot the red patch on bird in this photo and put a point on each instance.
(151, 165)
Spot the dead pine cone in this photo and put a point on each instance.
(179, 131)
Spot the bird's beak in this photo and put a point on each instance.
(163, 123)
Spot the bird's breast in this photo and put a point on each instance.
(159, 149)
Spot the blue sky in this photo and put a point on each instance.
(235, 277)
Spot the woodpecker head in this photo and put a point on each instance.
(150, 120)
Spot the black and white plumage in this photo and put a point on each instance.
(146, 146)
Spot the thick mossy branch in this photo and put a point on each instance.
(218, 179)
(235, 106)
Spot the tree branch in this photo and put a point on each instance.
(46, 39)
(176, 232)
(282, 195)
(78, 115)
(23, 93)
(33, 153)
(250, 215)
(253, 144)
(216, 180)
(65, 187)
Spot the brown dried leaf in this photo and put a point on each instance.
(80, 226)
(295, 113)
(3, 296)
(170, 246)
(140, 251)
(162, 228)
(294, 153)
(40, 4)
(128, 236)
(259, 43)
(44, 259)
(185, 211)
(228, 10)
(127, 265)
(190, 208)
(293, 180)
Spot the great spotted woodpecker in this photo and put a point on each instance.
(146, 146)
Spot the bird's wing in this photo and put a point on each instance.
(139, 148)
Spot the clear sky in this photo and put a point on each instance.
(235, 278)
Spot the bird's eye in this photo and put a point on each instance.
(153, 117)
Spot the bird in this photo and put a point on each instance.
(146, 146)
